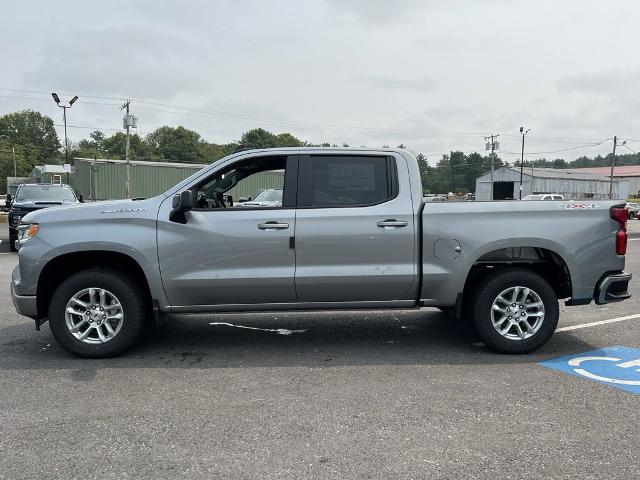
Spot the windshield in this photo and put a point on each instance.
(44, 193)
(269, 196)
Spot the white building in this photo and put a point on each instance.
(572, 184)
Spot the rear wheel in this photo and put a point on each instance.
(515, 311)
(97, 313)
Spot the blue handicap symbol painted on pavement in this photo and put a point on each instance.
(614, 366)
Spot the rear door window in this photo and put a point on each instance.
(348, 181)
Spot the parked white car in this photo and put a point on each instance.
(544, 196)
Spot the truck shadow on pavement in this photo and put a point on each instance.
(317, 340)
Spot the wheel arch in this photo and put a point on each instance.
(61, 267)
(546, 262)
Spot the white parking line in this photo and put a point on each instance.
(634, 239)
(594, 324)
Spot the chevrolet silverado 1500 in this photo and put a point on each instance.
(352, 232)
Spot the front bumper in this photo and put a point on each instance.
(613, 287)
(25, 304)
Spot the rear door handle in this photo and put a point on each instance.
(273, 226)
(391, 223)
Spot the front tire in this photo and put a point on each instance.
(515, 311)
(97, 313)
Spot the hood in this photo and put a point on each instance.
(31, 205)
(96, 211)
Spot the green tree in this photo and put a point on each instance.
(115, 147)
(176, 144)
(212, 151)
(258, 138)
(31, 139)
(426, 173)
(33, 130)
(288, 140)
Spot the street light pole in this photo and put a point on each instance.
(66, 141)
(64, 117)
(523, 133)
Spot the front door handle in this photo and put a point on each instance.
(391, 223)
(273, 226)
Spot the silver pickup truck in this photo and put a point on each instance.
(352, 232)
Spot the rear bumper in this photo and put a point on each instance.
(613, 288)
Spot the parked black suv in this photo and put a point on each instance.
(30, 197)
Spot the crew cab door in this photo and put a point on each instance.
(355, 232)
(232, 255)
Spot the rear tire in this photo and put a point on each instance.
(514, 311)
(85, 302)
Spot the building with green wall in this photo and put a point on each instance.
(101, 179)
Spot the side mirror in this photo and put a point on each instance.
(81, 198)
(243, 199)
(182, 202)
(9, 200)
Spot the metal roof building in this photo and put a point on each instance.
(629, 173)
(572, 184)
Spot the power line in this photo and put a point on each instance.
(336, 128)
(87, 127)
(61, 93)
(229, 116)
(562, 149)
(48, 100)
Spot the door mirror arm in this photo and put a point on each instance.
(182, 202)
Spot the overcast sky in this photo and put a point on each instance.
(435, 75)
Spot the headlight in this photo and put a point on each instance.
(26, 232)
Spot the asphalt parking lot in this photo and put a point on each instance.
(346, 395)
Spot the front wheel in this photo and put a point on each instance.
(97, 313)
(515, 311)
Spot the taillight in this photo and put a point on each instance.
(621, 214)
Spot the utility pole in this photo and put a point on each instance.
(613, 163)
(493, 146)
(15, 170)
(128, 122)
(523, 133)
